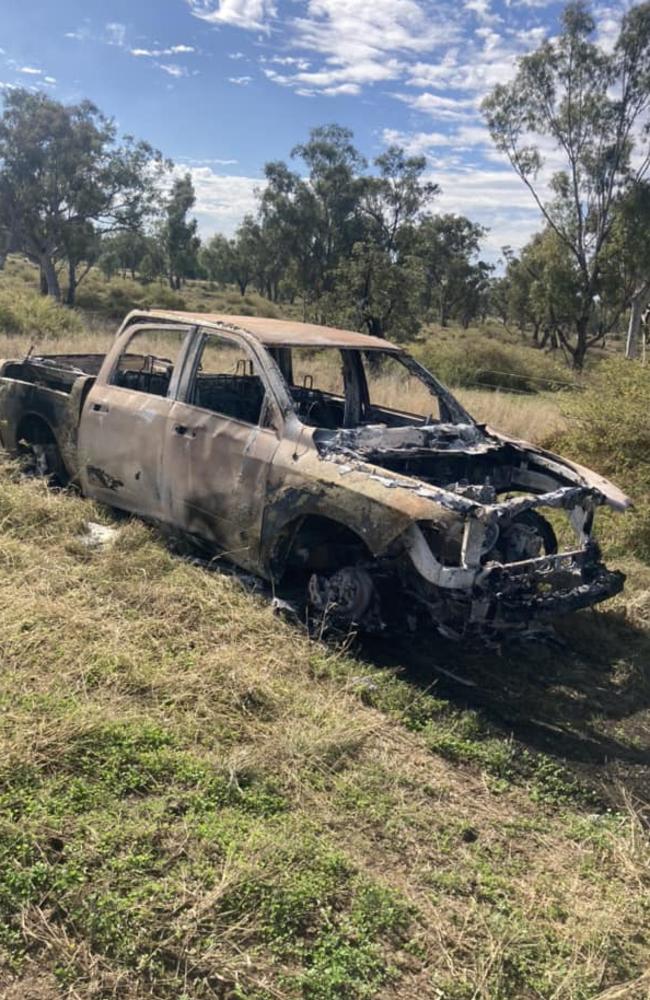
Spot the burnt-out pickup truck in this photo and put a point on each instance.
(318, 455)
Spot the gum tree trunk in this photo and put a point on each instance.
(638, 305)
(48, 270)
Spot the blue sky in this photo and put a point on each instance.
(221, 86)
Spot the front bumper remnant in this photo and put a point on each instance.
(544, 587)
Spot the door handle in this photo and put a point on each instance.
(100, 408)
(184, 431)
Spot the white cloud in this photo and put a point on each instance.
(441, 107)
(427, 143)
(253, 15)
(173, 50)
(221, 201)
(236, 55)
(488, 57)
(51, 80)
(495, 199)
(290, 61)
(338, 79)
(115, 34)
(241, 81)
(79, 35)
(358, 42)
(173, 69)
(363, 43)
(482, 10)
(206, 160)
(30, 70)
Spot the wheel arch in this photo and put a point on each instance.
(35, 429)
(314, 531)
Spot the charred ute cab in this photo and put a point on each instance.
(322, 455)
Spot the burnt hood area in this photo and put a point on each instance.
(464, 459)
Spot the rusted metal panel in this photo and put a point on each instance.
(275, 332)
(216, 472)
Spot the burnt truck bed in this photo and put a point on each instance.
(41, 399)
(53, 371)
(292, 450)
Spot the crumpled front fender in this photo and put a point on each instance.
(572, 471)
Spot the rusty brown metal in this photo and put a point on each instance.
(275, 332)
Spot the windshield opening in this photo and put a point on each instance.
(334, 388)
(395, 393)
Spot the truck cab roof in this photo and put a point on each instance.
(270, 332)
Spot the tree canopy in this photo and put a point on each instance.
(64, 179)
(588, 107)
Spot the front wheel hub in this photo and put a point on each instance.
(348, 594)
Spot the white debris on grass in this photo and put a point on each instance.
(98, 535)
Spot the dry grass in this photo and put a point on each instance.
(533, 418)
(196, 799)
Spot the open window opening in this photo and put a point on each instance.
(149, 360)
(226, 380)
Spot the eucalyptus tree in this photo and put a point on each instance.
(587, 107)
(448, 246)
(215, 259)
(379, 286)
(180, 237)
(64, 178)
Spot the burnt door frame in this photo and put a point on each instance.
(123, 430)
(216, 466)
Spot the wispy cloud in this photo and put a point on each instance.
(173, 69)
(206, 161)
(483, 11)
(334, 47)
(418, 143)
(301, 64)
(82, 34)
(173, 50)
(440, 106)
(30, 71)
(252, 15)
(115, 34)
(240, 81)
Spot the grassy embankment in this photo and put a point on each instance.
(198, 801)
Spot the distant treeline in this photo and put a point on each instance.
(362, 247)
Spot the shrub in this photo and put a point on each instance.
(479, 360)
(24, 313)
(609, 429)
(117, 297)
